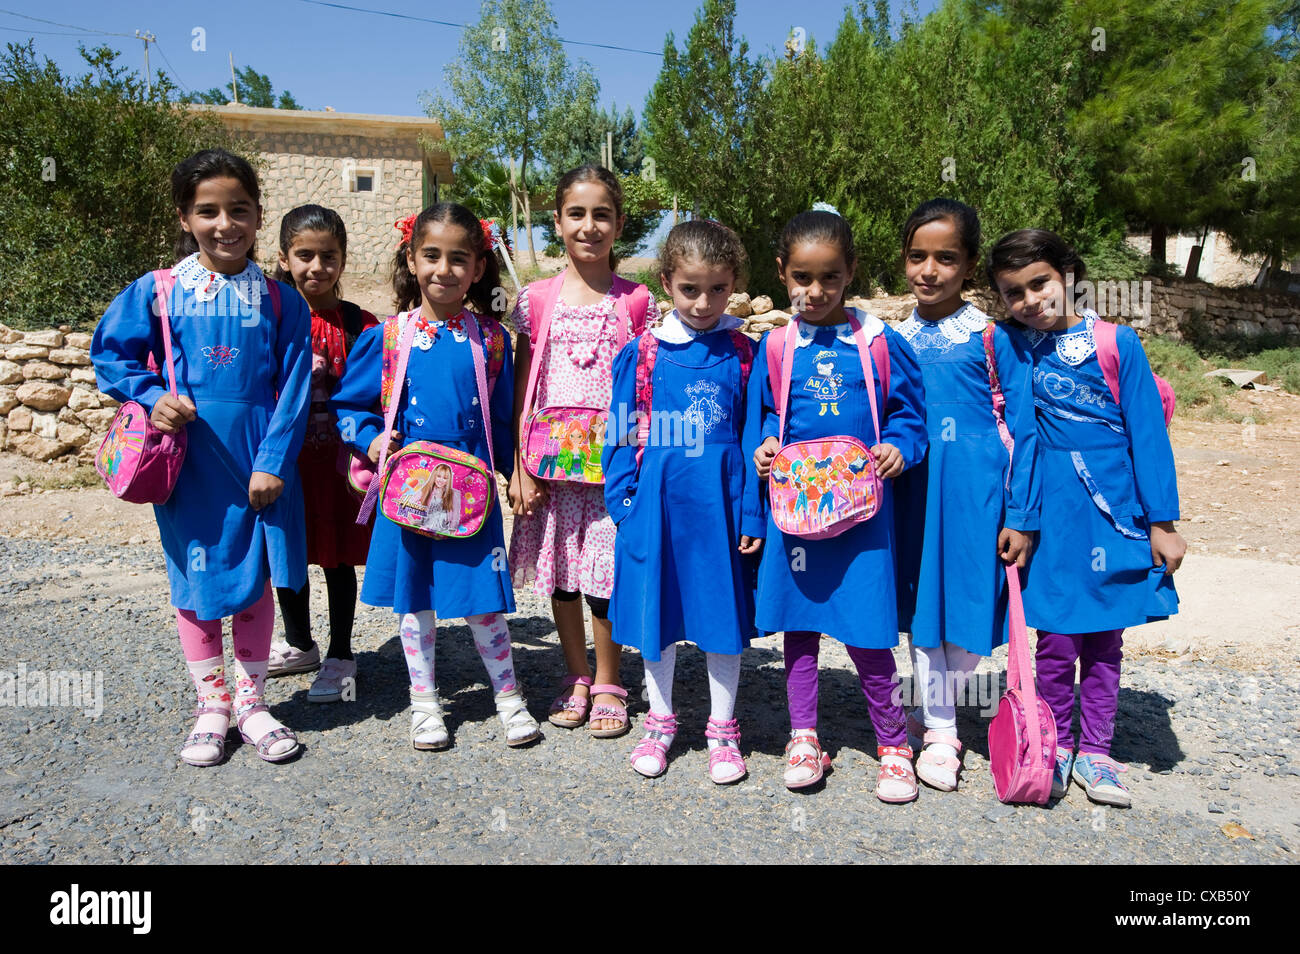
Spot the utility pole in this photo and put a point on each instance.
(234, 86)
(147, 38)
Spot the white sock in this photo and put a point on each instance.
(724, 676)
(659, 684)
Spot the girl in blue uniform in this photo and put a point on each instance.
(975, 512)
(1107, 545)
(842, 586)
(688, 512)
(234, 523)
(445, 263)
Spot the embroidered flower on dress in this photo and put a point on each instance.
(221, 356)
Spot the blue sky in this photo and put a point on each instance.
(359, 62)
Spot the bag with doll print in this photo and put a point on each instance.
(822, 487)
(565, 442)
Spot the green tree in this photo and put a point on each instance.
(511, 89)
(254, 90)
(86, 206)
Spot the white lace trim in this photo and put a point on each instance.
(1074, 345)
(675, 331)
(206, 285)
(871, 326)
(957, 327)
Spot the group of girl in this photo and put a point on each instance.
(1068, 478)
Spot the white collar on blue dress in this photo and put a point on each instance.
(206, 284)
(871, 326)
(673, 330)
(1073, 345)
(957, 327)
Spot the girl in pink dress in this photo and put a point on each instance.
(563, 538)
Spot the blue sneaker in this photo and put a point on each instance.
(1061, 774)
(1099, 776)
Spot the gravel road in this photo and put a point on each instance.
(1211, 742)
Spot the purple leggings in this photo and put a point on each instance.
(1099, 655)
(876, 672)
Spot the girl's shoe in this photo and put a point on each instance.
(268, 746)
(205, 748)
(569, 712)
(726, 764)
(650, 757)
(1099, 776)
(607, 711)
(805, 762)
(428, 731)
(286, 660)
(521, 728)
(329, 683)
(1061, 773)
(895, 782)
(935, 770)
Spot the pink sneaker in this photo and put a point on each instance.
(336, 676)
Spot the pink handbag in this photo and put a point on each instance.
(822, 487)
(565, 443)
(426, 487)
(139, 462)
(1022, 736)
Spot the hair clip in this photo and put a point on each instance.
(406, 226)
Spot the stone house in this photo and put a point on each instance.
(372, 170)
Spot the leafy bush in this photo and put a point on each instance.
(86, 206)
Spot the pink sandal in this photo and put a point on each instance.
(215, 739)
(571, 703)
(726, 752)
(817, 763)
(264, 744)
(939, 772)
(606, 711)
(652, 746)
(896, 781)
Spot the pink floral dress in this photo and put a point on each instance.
(569, 543)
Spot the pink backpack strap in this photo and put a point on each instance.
(163, 284)
(775, 346)
(745, 352)
(880, 355)
(1103, 334)
(647, 351)
(542, 297)
(632, 302)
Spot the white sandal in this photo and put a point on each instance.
(428, 731)
(521, 728)
(939, 772)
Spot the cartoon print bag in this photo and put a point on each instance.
(426, 487)
(565, 442)
(822, 487)
(139, 462)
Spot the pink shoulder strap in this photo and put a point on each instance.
(632, 302)
(1103, 334)
(163, 283)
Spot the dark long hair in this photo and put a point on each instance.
(1021, 248)
(310, 218)
(599, 175)
(204, 165)
(483, 296)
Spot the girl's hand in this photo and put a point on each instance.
(533, 494)
(171, 414)
(263, 489)
(889, 460)
(763, 456)
(1015, 546)
(1167, 547)
(377, 446)
(750, 544)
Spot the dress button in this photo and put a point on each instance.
(627, 501)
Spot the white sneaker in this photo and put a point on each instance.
(285, 659)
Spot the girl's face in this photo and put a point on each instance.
(816, 276)
(440, 478)
(224, 219)
(315, 261)
(699, 292)
(445, 265)
(588, 223)
(936, 264)
(1035, 296)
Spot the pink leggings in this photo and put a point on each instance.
(250, 632)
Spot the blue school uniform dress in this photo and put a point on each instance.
(439, 402)
(677, 571)
(249, 376)
(842, 586)
(1107, 474)
(952, 586)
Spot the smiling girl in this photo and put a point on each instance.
(234, 523)
(1107, 545)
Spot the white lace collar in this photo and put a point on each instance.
(1073, 345)
(871, 326)
(206, 284)
(957, 327)
(675, 331)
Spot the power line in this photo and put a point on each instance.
(70, 26)
(175, 76)
(42, 32)
(461, 26)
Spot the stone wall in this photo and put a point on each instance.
(302, 167)
(1181, 309)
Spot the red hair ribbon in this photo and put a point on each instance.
(405, 226)
(491, 233)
